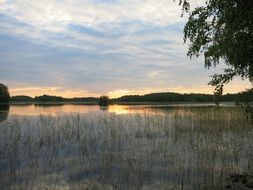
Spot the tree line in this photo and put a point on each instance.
(153, 97)
(177, 97)
(48, 98)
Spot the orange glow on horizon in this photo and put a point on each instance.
(53, 91)
(233, 87)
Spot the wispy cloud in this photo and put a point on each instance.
(97, 46)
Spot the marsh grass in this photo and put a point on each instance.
(182, 149)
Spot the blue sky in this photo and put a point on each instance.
(95, 47)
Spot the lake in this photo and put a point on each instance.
(178, 146)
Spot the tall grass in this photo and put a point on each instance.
(182, 149)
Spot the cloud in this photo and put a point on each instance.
(98, 46)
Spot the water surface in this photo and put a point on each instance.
(123, 147)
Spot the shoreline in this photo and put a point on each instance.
(222, 104)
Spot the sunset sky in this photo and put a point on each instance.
(93, 47)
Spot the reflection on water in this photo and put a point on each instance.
(4, 111)
(125, 147)
(54, 110)
(104, 108)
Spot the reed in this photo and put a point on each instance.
(182, 149)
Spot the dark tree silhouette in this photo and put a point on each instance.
(103, 101)
(223, 32)
(177, 97)
(21, 98)
(4, 94)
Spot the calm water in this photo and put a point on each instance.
(53, 110)
(123, 147)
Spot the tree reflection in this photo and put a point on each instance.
(104, 108)
(4, 111)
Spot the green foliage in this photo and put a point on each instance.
(177, 97)
(48, 98)
(217, 97)
(222, 31)
(167, 97)
(246, 100)
(21, 99)
(185, 5)
(103, 101)
(4, 94)
(154, 97)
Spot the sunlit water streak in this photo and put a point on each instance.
(55, 110)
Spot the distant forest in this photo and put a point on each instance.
(47, 98)
(154, 97)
